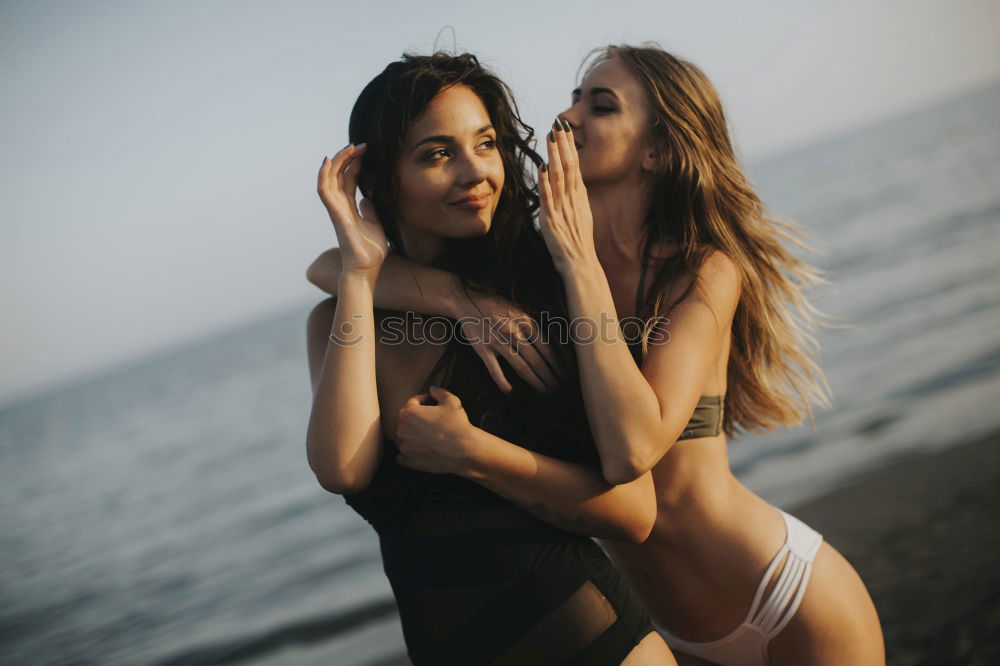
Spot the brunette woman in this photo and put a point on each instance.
(439, 153)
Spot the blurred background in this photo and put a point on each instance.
(158, 212)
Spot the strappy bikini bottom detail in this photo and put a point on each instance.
(747, 644)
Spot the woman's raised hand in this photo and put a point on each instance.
(565, 218)
(362, 241)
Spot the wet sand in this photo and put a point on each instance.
(925, 537)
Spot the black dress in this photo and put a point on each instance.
(479, 580)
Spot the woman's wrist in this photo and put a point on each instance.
(353, 278)
(475, 464)
(455, 301)
(585, 279)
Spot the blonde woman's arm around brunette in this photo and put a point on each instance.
(492, 325)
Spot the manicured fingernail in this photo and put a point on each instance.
(556, 126)
(346, 147)
(552, 137)
(544, 167)
(361, 145)
(566, 126)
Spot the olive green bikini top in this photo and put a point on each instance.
(706, 420)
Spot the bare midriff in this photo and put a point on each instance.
(713, 539)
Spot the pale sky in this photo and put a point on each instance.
(158, 170)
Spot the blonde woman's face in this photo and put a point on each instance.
(611, 120)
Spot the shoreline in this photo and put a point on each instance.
(925, 538)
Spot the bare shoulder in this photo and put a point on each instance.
(720, 276)
(318, 325)
(320, 319)
(717, 284)
(391, 340)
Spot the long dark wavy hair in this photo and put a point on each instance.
(382, 115)
(510, 260)
(704, 201)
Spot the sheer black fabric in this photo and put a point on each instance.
(478, 580)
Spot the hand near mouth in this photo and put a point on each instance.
(565, 218)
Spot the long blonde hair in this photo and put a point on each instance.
(703, 201)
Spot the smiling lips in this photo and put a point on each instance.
(472, 202)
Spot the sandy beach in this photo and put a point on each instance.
(925, 537)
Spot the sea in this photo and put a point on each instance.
(164, 513)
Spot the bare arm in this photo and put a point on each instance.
(494, 326)
(636, 414)
(344, 436)
(576, 498)
(402, 284)
(572, 497)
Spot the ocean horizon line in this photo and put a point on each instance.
(211, 337)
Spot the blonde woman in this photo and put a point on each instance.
(648, 214)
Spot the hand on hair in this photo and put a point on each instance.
(362, 241)
(565, 218)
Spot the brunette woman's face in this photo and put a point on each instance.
(450, 170)
(611, 122)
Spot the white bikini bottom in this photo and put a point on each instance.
(747, 644)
